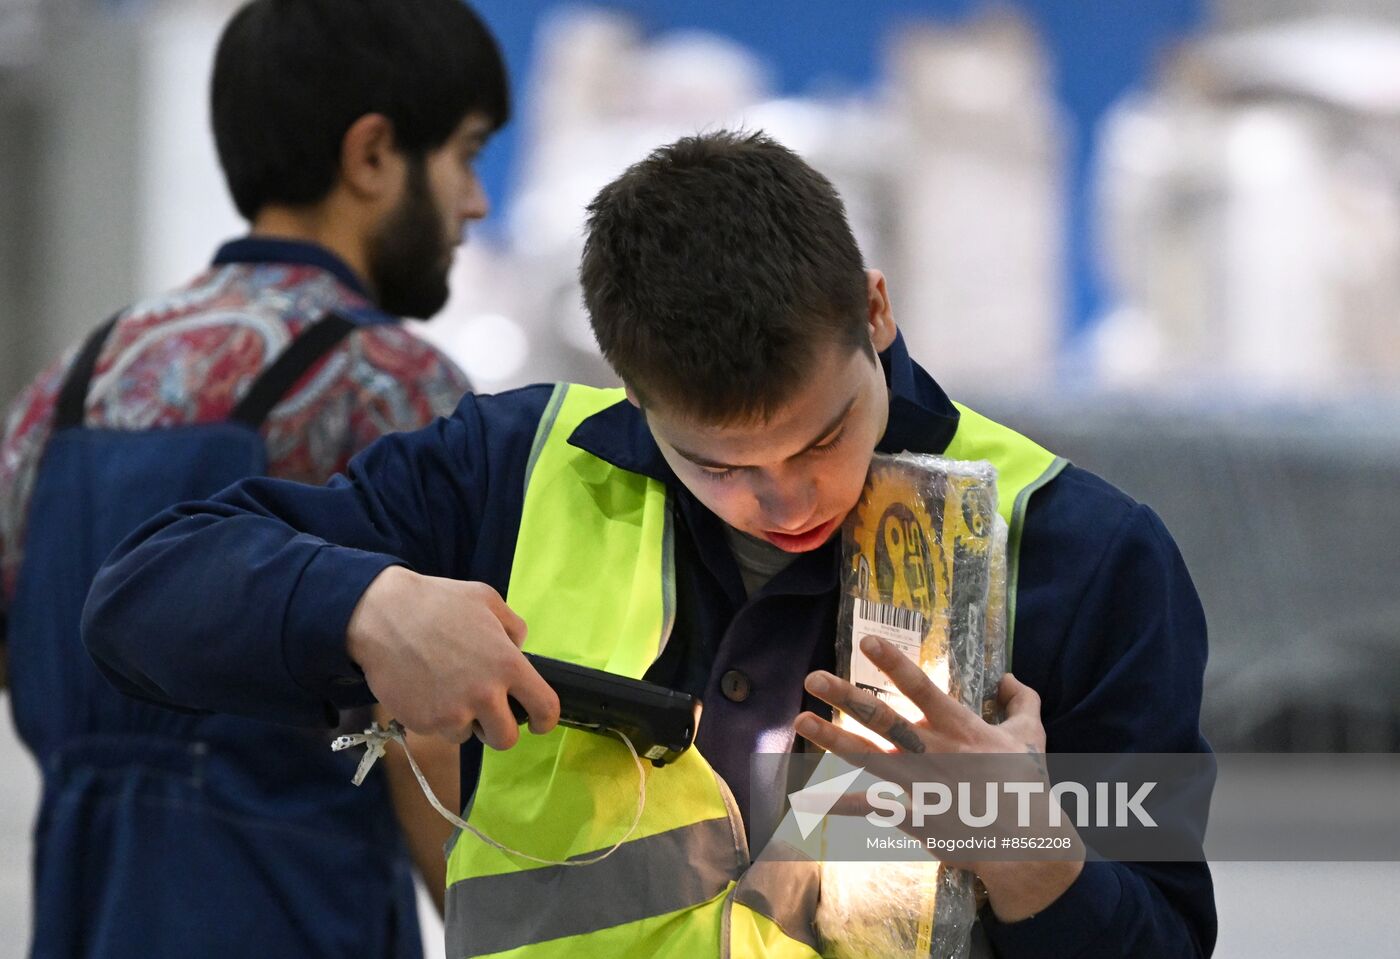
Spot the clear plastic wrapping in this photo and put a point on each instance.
(924, 567)
(994, 658)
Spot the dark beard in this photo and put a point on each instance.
(408, 259)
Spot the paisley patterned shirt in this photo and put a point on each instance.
(188, 356)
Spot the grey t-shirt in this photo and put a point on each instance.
(759, 560)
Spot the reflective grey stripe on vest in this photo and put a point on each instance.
(668, 576)
(546, 424)
(784, 890)
(489, 914)
(1013, 547)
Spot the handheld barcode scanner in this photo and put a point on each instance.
(660, 723)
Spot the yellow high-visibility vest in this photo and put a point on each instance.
(593, 576)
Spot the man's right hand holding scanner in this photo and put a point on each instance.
(442, 656)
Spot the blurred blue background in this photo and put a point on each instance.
(1099, 50)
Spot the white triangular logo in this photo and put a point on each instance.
(811, 803)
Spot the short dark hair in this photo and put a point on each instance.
(291, 76)
(714, 268)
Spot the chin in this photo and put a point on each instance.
(421, 303)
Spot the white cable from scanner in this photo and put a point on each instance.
(376, 740)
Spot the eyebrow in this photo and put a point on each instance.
(830, 428)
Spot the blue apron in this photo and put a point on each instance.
(164, 833)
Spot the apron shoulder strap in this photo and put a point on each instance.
(269, 388)
(256, 404)
(72, 398)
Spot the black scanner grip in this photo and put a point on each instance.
(661, 723)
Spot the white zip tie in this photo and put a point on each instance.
(376, 740)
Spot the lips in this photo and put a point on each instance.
(803, 542)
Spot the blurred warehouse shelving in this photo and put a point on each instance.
(1251, 204)
(950, 170)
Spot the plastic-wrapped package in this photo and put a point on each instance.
(920, 563)
(917, 570)
(994, 658)
(895, 910)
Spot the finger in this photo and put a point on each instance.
(1017, 699)
(854, 803)
(514, 626)
(909, 679)
(825, 734)
(867, 709)
(1022, 713)
(496, 726)
(512, 623)
(422, 721)
(540, 700)
(457, 734)
(833, 739)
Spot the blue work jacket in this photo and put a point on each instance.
(1109, 629)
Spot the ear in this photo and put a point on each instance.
(632, 397)
(880, 314)
(371, 165)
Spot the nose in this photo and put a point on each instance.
(788, 503)
(475, 203)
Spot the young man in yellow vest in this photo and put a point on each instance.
(682, 531)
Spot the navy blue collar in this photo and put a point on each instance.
(922, 420)
(263, 249)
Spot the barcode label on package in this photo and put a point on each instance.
(902, 627)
